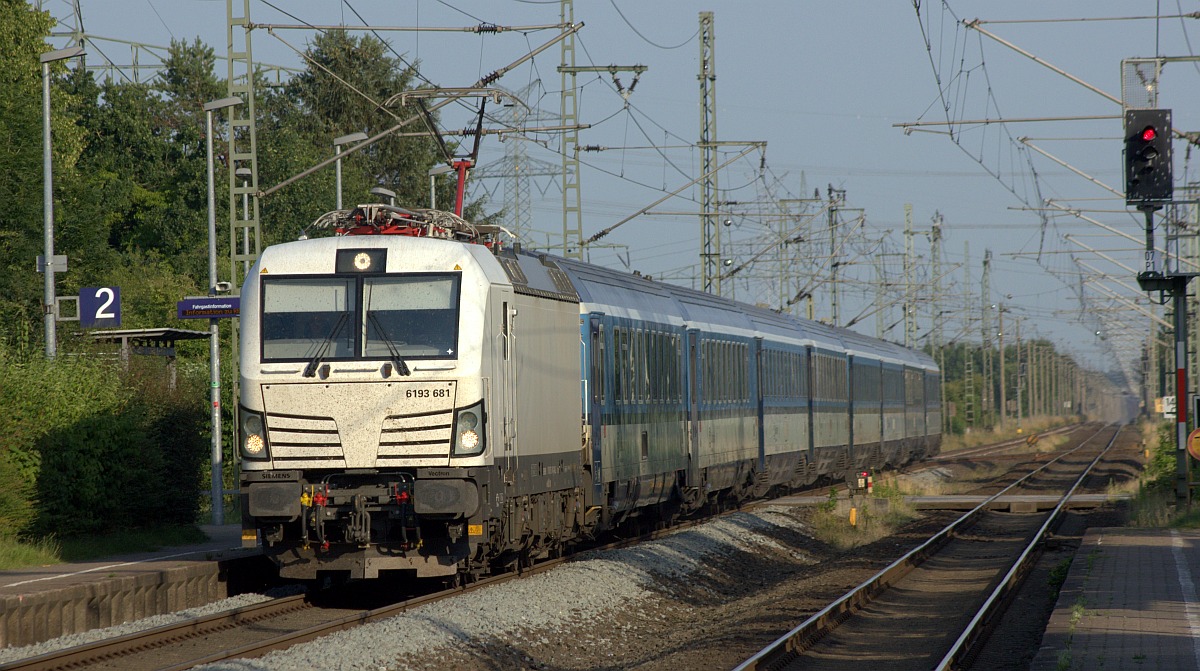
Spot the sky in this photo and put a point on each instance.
(825, 85)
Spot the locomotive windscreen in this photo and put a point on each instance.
(418, 315)
(299, 315)
(334, 318)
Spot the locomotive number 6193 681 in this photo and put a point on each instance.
(427, 393)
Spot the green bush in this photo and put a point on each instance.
(89, 446)
(1160, 469)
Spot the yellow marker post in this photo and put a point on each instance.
(854, 517)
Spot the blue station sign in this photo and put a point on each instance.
(209, 307)
(100, 307)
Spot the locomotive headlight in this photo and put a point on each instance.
(254, 435)
(254, 445)
(469, 439)
(468, 435)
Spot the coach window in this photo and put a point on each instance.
(664, 340)
(628, 364)
(598, 365)
(648, 364)
(718, 392)
(735, 356)
(730, 373)
(645, 367)
(739, 372)
(659, 369)
(716, 376)
(635, 383)
(673, 371)
(669, 363)
(639, 366)
(744, 371)
(618, 366)
(710, 372)
(723, 360)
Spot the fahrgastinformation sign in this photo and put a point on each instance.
(209, 307)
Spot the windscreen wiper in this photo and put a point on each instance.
(401, 367)
(311, 369)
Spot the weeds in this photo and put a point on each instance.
(125, 542)
(1058, 576)
(876, 518)
(14, 554)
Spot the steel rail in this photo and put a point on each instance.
(965, 643)
(157, 637)
(998, 447)
(828, 618)
(365, 617)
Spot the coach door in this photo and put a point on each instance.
(758, 404)
(594, 395)
(693, 406)
(850, 455)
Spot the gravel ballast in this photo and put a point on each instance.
(585, 605)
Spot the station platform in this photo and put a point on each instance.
(1129, 602)
(43, 602)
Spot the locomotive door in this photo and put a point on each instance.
(506, 388)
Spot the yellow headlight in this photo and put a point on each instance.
(254, 444)
(469, 439)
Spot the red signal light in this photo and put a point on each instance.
(1148, 134)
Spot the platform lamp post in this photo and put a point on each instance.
(337, 151)
(433, 173)
(48, 265)
(214, 333)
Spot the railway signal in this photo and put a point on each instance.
(1147, 156)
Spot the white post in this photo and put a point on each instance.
(337, 151)
(48, 293)
(214, 333)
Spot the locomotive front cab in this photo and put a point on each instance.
(363, 414)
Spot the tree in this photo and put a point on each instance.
(317, 106)
(23, 32)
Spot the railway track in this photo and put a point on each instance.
(929, 608)
(248, 631)
(253, 631)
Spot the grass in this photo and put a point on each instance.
(16, 554)
(979, 437)
(1058, 576)
(878, 519)
(1154, 504)
(45, 551)
(125, 542)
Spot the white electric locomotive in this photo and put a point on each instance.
(416, 398)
